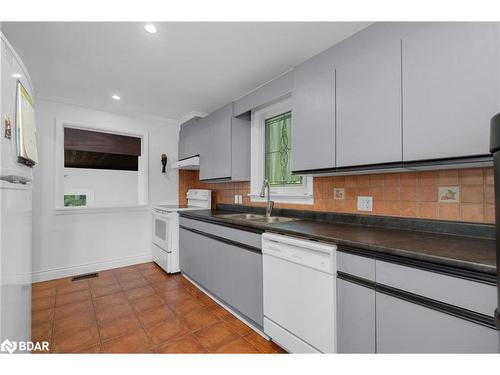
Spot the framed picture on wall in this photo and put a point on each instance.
(25, 127)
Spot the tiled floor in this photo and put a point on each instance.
(137, 309)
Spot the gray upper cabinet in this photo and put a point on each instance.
(313, 115)
(190, 141)
(225, 154)
(450, 89)
(369, 107)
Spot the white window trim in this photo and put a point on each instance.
(59, 192)
(293, 195)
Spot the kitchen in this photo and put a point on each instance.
(300, 198)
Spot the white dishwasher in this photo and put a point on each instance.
(299, 293)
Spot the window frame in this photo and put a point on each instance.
(59, 192)
(284, 194)
(89, 200)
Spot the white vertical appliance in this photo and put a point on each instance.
(17, 157)
(166, 228)
(299, 293)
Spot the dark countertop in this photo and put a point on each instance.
(470, 253)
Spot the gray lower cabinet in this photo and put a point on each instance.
(369, 129)
(313, 116)
(406, 327)
(230, 272)
(450, 89)
(355, 318)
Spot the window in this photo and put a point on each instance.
(100, 167)
(271, 139)
(278, 146)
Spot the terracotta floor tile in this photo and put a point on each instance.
(166, 330)
(216, 336)
(41, 331)
(105, 290)
(176, 295)
(220, 311)
(103, 281)
(42, 316)
(170, 284)
(206, 300)
(69, 342)
(185, 306)
(73, 287)
(199, 318)
(127, 269)
(38, 287)
(113, 312)
(185, 344)
(156, 277)
(73, 309)
(238, 346)
(129, 276)
(119, 327)
(135, 283)
(43, 303)
(140, 292)
(237, 325)
(146, 266)
(156, 315)
(49, 292)
(64, 299)
(111, 299)
(81, 321)
(136, 342)
(147, 303)
(262, 345)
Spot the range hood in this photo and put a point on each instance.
(189, 163)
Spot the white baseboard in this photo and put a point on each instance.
(57, 273)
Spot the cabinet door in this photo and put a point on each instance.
(219, 275)
(355, 318)
(189, 142)
(185, 245)
(198, 256)
(369, 107)
(405, 327)
(247, 288)
(206, 134)
(313, 116)
(450, 89)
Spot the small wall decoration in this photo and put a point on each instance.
(339, 193)
(163, 163)
(450, 194)
(7, 127)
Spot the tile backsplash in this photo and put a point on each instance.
(454, 194)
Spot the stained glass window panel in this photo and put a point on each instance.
(278, 151)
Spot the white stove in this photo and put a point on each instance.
(166, 228)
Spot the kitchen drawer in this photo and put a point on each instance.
(356, 265)
(461, 292)
(241, 236)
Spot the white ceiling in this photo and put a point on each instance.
(184, 67)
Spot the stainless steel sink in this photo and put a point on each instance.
(275, 219)
(242, 216)
(257, 218)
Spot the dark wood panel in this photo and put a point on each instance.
(92, 141)
(100, 160)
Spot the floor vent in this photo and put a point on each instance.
(85, 276)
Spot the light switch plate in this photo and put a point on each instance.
(236, 200)
(240, 199)
(365, 204)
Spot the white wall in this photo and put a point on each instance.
(109, 188)
(74, 243)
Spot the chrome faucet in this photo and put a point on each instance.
(270, 203)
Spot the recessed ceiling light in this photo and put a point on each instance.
(17, 75)
(150, 28)
(115, 97)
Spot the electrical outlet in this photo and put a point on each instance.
(365, 204)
